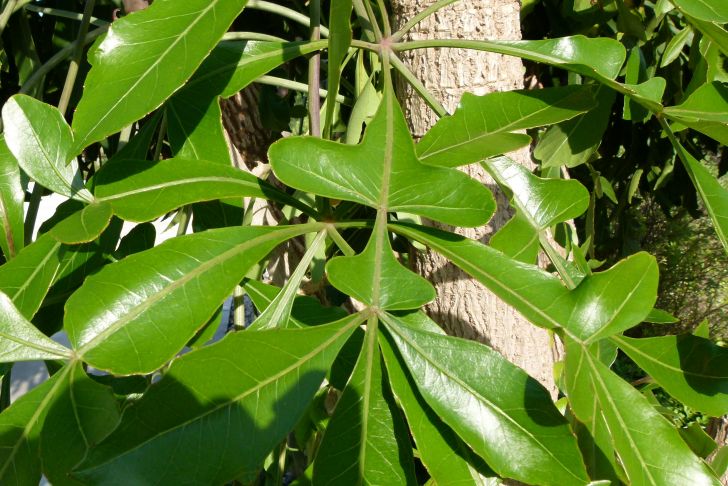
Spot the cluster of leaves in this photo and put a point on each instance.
(225, 411)
(626, 162)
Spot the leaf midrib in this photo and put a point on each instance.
(177, 182)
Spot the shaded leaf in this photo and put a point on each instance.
(485, 126)
(690, 368)
(364, 442)
(506, 416)
(517, 239)
(126, 82)
(42, 142)
(136, 314)
(212, 431)
(649, 447)
(382, 172)
(705, 110)
(82, 414)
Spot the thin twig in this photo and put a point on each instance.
(76, 58)
(314, 73)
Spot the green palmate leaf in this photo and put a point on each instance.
(27, 277)
(543, 202)
(210, 431)
(506, 416)
(382, 172)
(195, 125)
(42, 142)
(709, 10)
(20, 340)
(340, 35)
(278, 313)
(648, 446)
(85, 225)
(517, 239)
(706, 110)
(11, 203)
(306, 311)
(573, 142)
(485, 126)
(604, 304)
(447, 458)
(376, 278)
(365, 442)
(134, 315)
(144, 58)
(82, 414)
(140, 191)
(712, 193)
(690, 368)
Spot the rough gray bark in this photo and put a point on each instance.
(464, 307)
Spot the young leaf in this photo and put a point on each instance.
(140, 191)
(12, 197)
(447, 458)
(706, 110)
(136, 314)
(690, 368)
(210, 431)
(21, 341)
(85, 225)
(506, 416)
(649, 447)
(82, 414)
(387, 153)
(485, 126)
(364, 442)
(517, 239)
(27, 277)
(42, 142)
(144, 58)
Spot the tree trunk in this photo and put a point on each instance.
(464, 307)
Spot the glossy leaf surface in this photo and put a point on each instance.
(387, 154)
(364, 441)
(126, 82)
(603, 304)
(42, 142)
(12, 197)
(212, 431)
(690, 368)
(485, 126)
(648, 446)
(27, 277)
(20, 340)
(82, 414)
(85, 225)
(503, 414)
(136, 314)
(705, 110)
(140, 191)
(445, 455)
(709, 10)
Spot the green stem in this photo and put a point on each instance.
(372, 20)
(557, 260)
(76, 58)
(370, 46)
(7, 13)
(5, 389)
(431, 101)
(66, 14)
(57, 59)
(385, 18)
(284, 12)
(301, 87)
(239, 308)
(339, 240)
(314, 73)
(419, 18)
(361, 13)
(255, 36)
